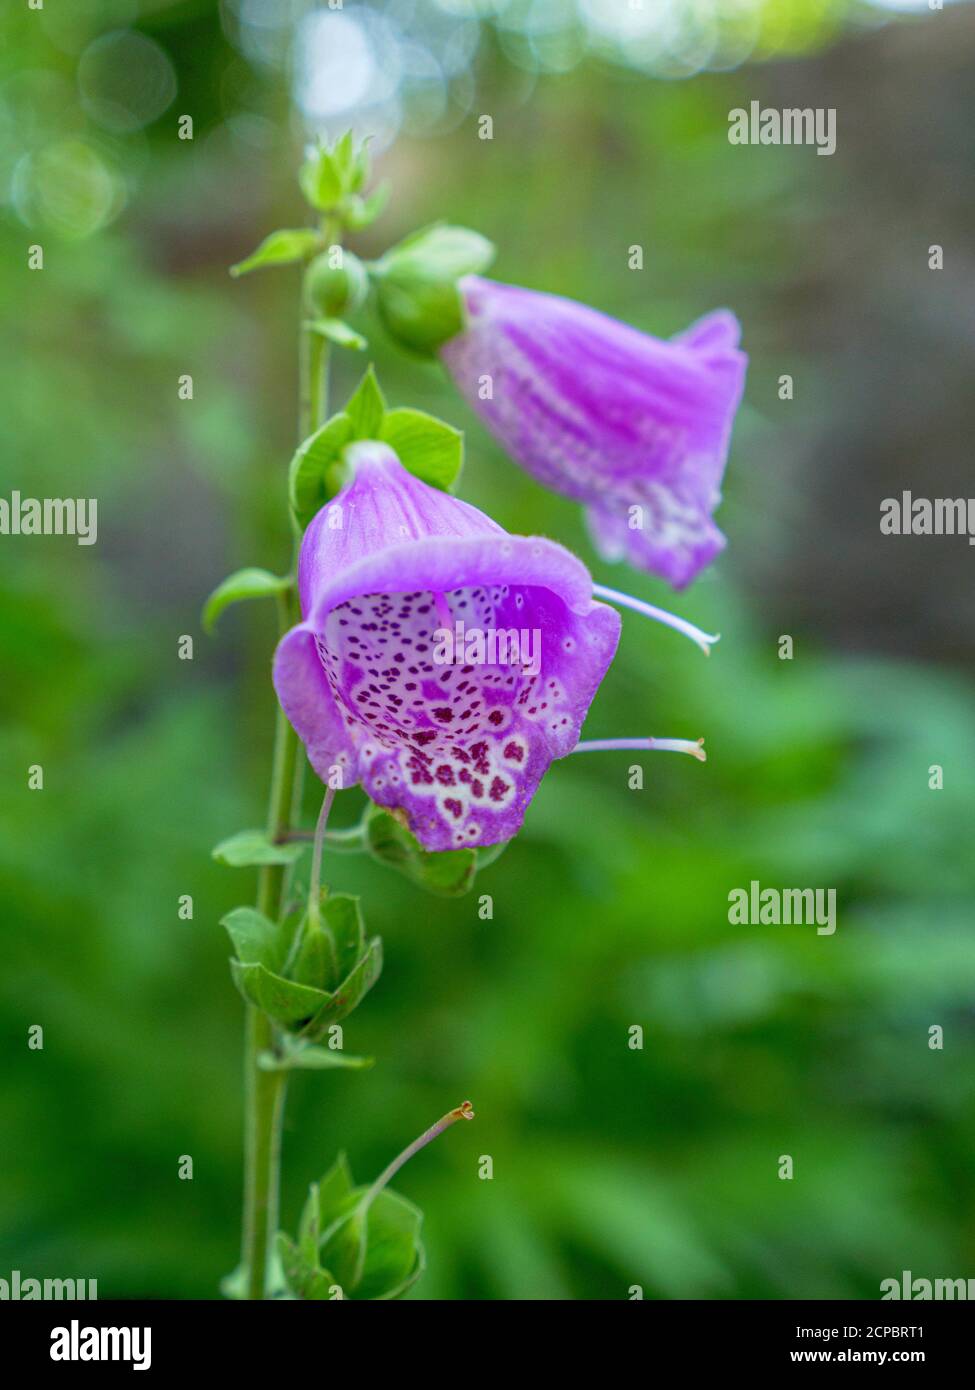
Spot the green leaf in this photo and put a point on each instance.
(321, 180)
(330, 949)
(342, 915)
(375, 1252)
(256, 938)
(305, 1278)
(440, 252)
(350, 993)
(280, 248)
(339, 332)
(250, 847)
(428, 448)
(333, 1189)
(447, 873)
(361, 212)
(234, 1284)
(367, 408)
(245, 584)
(315, 961)
(283, 1000)
(308, 1227)
(310, 1057)
(307, 477)
(360, 166)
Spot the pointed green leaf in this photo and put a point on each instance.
(441, 252)
(339, 333)
(255, 937)
(245, 584)
(362, 212)
(305, 1279)
(308, 1231)
(234, 1284)
(333, 1189)
(349, 993)
(250, 847)
(428, 448)
(280, 248)
(315, 961)
(283, 1000)
(307, 478)
(447, 873)
(367, 408)
(311, 1057)
(342, 915)
(321, 181)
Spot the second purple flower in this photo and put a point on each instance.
(635, 428)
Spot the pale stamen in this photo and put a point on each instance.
(653, 745)
(660, 615)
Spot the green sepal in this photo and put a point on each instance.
(447, 873)
(342, 915)
(332, 173)
(281, 248)
(321, 451)
(375, 1252)
(254, 847)
(430, 449)
(367, 1251)
(305, 1278)
(362, 212)
(339, 332)
(417, 290)
(256, 939)
(321, 181)
(297, 1055)
(349, 994)
(367, 407)
(286, 1002)
(244, 584)
(330, 949)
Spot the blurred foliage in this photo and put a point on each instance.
(612, 1167)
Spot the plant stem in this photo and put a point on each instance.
(264, 1091)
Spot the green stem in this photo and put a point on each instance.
(264, 1091)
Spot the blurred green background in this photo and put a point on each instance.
(612, 1167)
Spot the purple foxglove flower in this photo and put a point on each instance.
(436, 729)
(635, 428)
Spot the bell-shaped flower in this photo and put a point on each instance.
(635, 428)
(441, 662)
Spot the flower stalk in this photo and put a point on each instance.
(265, 1090)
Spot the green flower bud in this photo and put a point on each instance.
(417, 285)
(336, 282)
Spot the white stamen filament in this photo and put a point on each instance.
(660, 615)
(653, 745)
